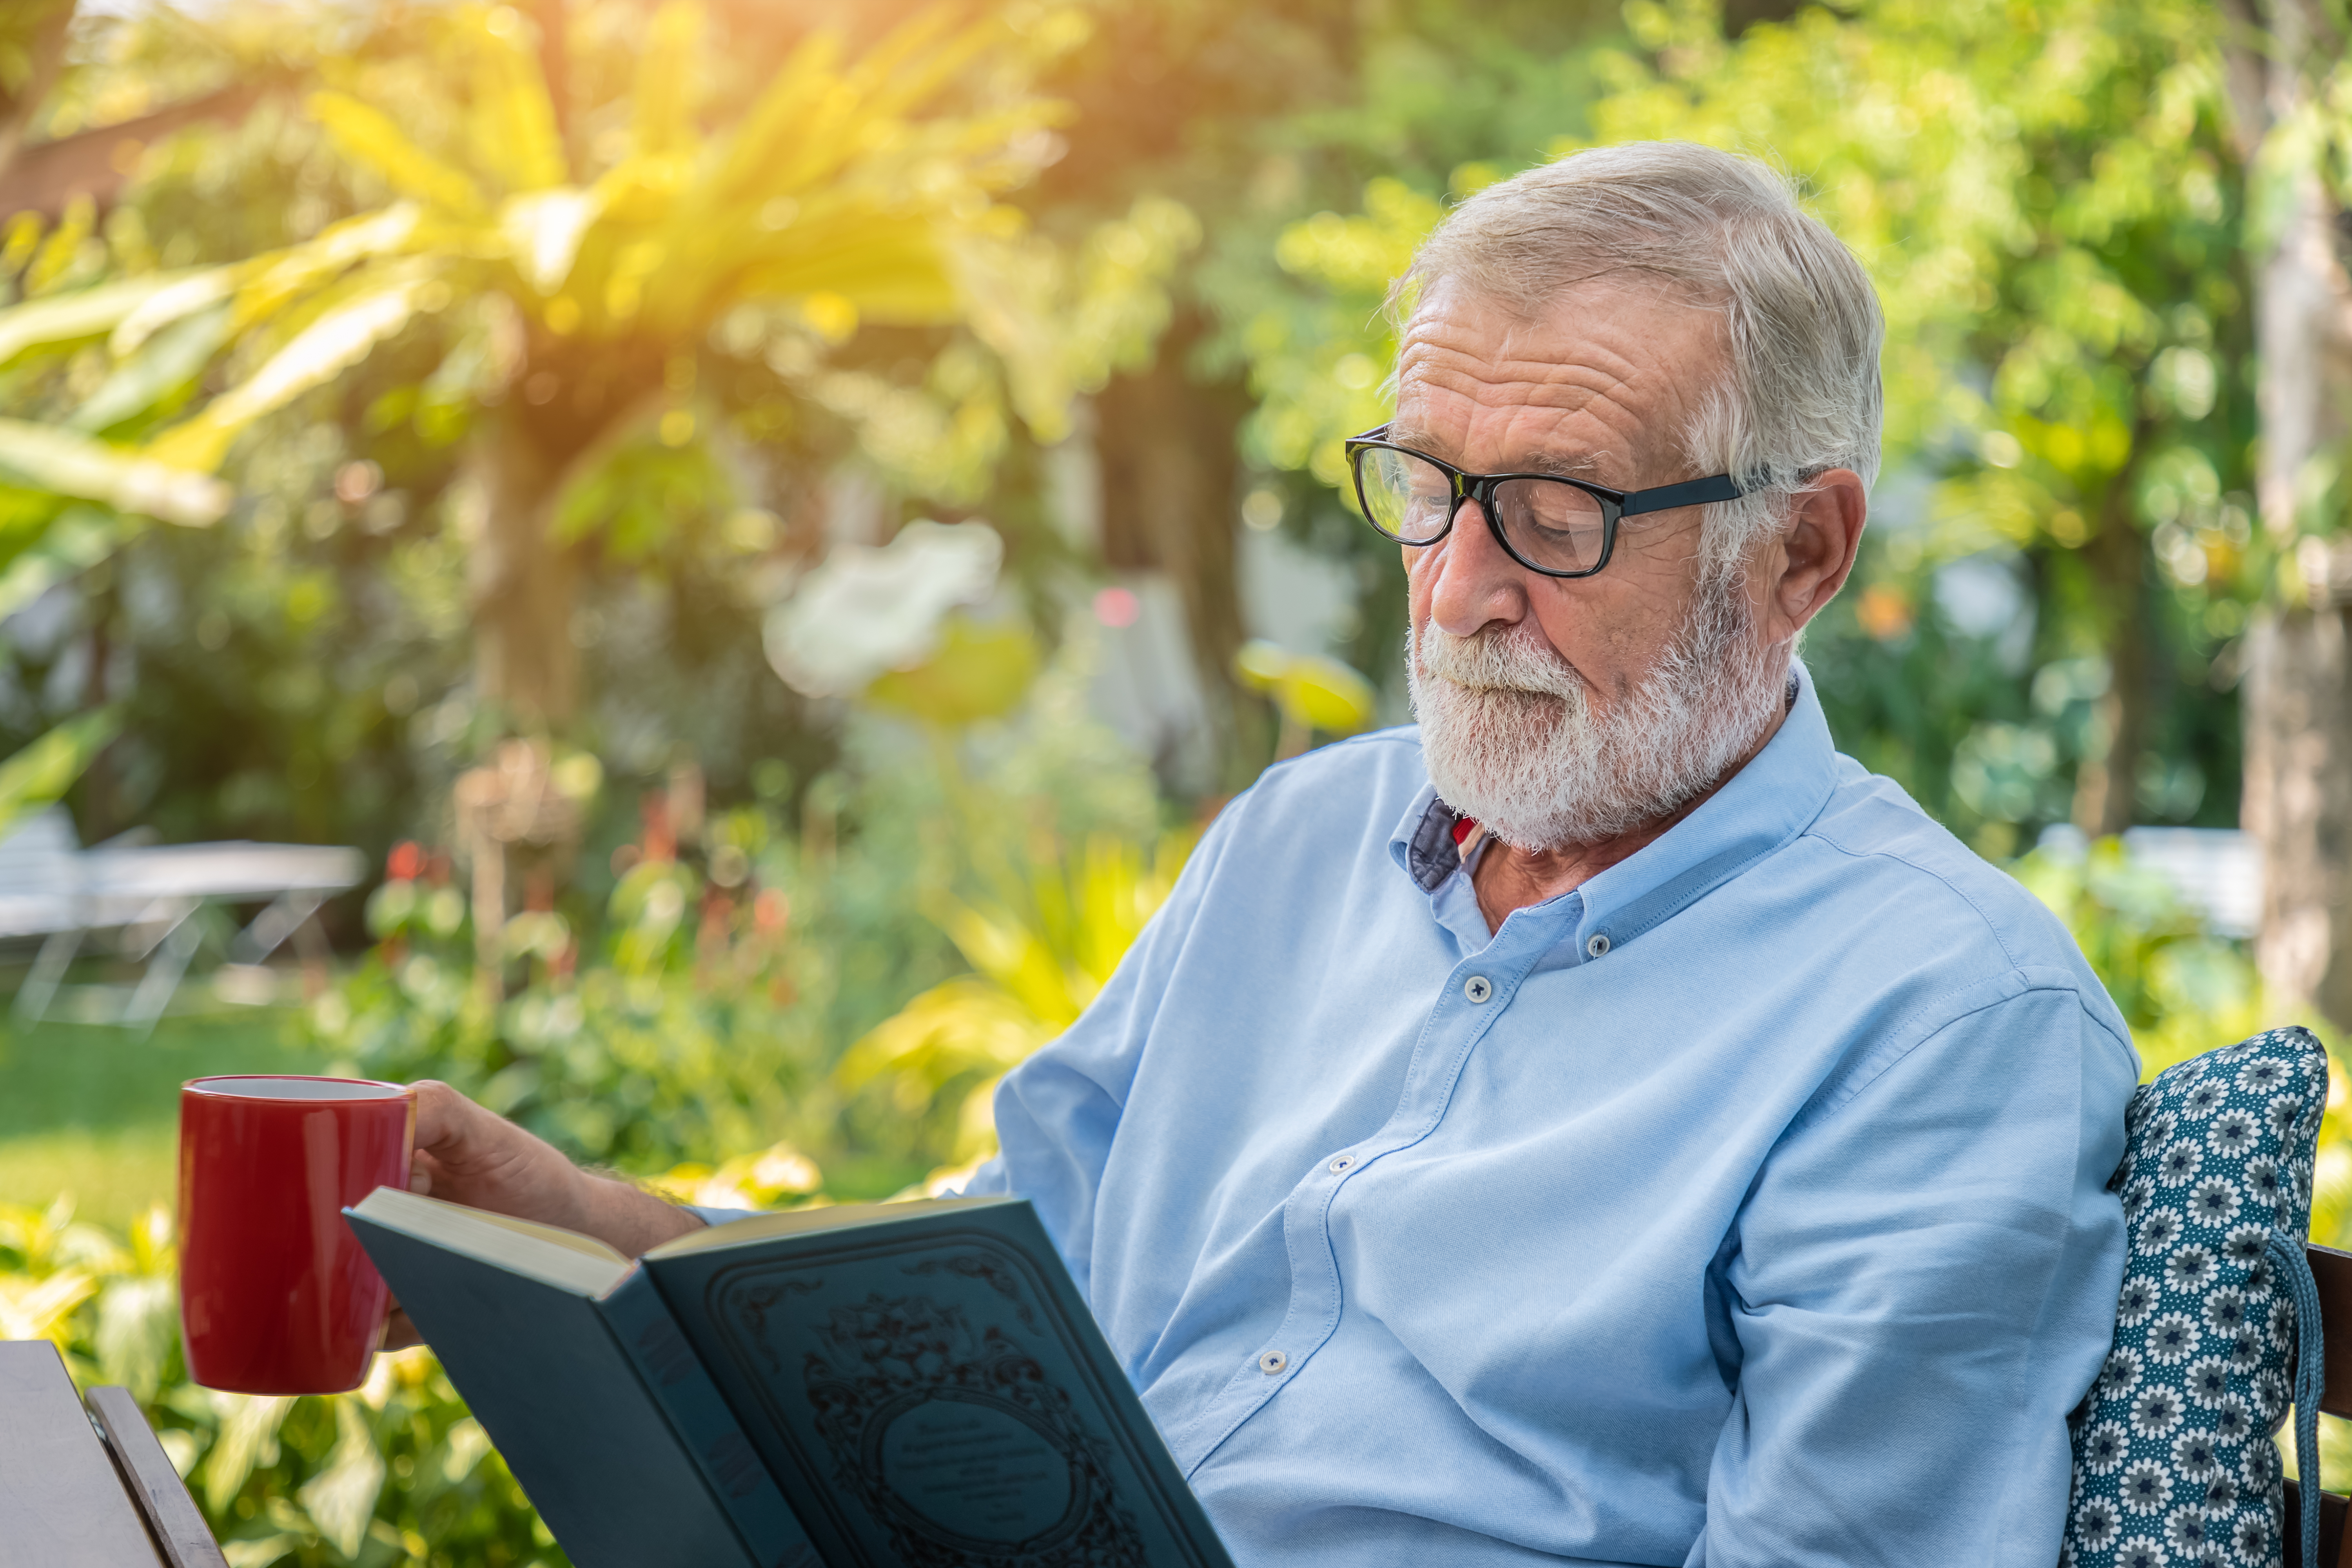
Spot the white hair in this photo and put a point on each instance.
(1801, 321)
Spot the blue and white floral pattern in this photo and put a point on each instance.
(2174, 1467)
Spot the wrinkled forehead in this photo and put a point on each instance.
(1600, 378)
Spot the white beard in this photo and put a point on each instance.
(1511, 739)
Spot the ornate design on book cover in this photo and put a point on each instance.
(755, 1303)
(986, 1268)
(954, 1439)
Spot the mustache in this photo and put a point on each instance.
(1497, 659)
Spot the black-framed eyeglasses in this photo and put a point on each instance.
(1546, 522)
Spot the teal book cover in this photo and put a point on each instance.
(566, 1356)
(929, 1389)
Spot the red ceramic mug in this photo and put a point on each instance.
(276, 1295)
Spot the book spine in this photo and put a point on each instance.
(697, 1413)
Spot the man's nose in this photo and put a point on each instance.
(1472, 582)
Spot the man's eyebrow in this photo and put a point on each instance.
(1580, 465)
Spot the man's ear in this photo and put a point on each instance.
(1819, 543)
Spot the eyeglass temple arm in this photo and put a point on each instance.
(1690, 492)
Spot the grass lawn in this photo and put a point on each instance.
(94, 1111)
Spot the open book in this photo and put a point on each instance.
(915, 1385)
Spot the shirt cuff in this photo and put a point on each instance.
(720, 1217)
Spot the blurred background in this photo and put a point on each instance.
(694, 568)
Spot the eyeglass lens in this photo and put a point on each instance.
(1551, 524)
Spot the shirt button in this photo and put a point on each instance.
(1272, 1363)
(1477, 988)
(1343, 1164)
(1597, 946)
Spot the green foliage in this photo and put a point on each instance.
(37, 776)
(1039, 954)
(2181, 990)
(395, 1472)
(698, 1009)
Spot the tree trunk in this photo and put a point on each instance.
(2298, 800)
(40, 35)
(1170, 469)
(2106, 783)
(523, 584)
(2297, 700)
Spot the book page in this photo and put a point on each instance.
(547, 1253)
(796, 1222)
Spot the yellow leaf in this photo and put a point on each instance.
(978, 672)
(1018, 961)
(184, 297)
(73, 542)
(896, 75)
(248, 1437)
(545, 229)
(513, 120)
(781, 113)
(339, 338)
(661, 106)
(269, 280)
(37, 1309)
(949, 1030)
(889, 268)
(39, 774)
(1313, 692)
(341, 1499)
(60, 319)
(368, 136)
(67, 462)
(57, 254)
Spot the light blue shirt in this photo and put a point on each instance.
(1745, 1206)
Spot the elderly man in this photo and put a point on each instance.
(1603, 1125)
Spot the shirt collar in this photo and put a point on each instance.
(1770, 801)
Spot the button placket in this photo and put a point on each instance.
(1449, 1035)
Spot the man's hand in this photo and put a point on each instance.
(468, 1155)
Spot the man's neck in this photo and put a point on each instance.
(1508, 878)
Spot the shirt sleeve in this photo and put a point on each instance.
(1921, 1285)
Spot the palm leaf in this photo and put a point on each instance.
(368, 137)
(274, 280)
(543, 231)
(165, 367)
(897, 74)
(749, 162)
(890, 268)
(69, 463)
(513, 120)
(661, 107)
(372, 310)
(36, 776)
(58, 319)
(175, 302)
(261, 284)
(69, 544)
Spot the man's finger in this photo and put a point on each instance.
(443, 1115)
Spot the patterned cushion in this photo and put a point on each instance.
(2173, 1460)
